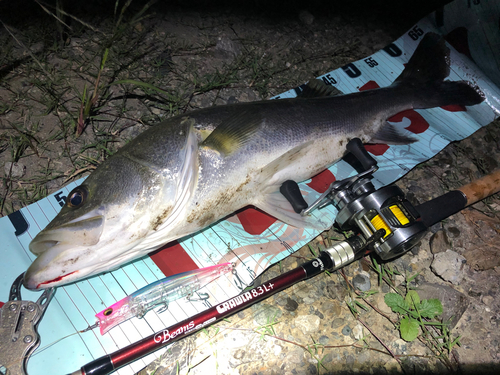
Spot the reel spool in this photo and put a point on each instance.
(384, 210)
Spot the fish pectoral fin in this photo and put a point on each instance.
(273, 175)
(234, 132)
(275, 204)
(284, 167)
(391, 135)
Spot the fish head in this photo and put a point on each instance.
(101, 220)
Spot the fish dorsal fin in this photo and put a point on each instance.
(391, 135)
(234, 132)
(316, 88)
(428, 64)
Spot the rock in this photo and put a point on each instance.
(178, 354)
(439, 242)
(157, 111)
(232, 100)
(324, 340)
(346, 331)
(357, 332)
(454, 232)
(362, 282)
(337, 308)
(338, 322)
(350, 361)
(400, 346)
(305, 17)
(14, 170)
(331, 309)
(307, 323)
(335, 291)
(454, 303)
(392, 366)
(312, 370)
(296, 356)
(305, 291)
(239, 354)
(416, 249)
(399, 279)
(449, 266)
(488, 300)
(291, 305)
(227, 47)
(489, 163)
(266, 314)
(364, 357)
(319, 314)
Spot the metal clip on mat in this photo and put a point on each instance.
(18, 328)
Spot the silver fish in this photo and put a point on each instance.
(173, 179)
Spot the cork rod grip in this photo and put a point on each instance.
(437, 209)
(482, 188)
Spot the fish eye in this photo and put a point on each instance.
(108, 311)
(77, 197)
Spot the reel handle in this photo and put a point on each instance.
(291, 191)
(355, 147)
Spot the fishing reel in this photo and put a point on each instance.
(385, 220)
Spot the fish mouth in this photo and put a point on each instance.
(31, 283)
(62, 252)
(84, 232)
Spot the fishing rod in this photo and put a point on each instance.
(386, 222)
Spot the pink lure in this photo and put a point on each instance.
(161, 292)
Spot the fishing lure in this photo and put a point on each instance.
(161, 292)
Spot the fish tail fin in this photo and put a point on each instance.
(425, 73)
